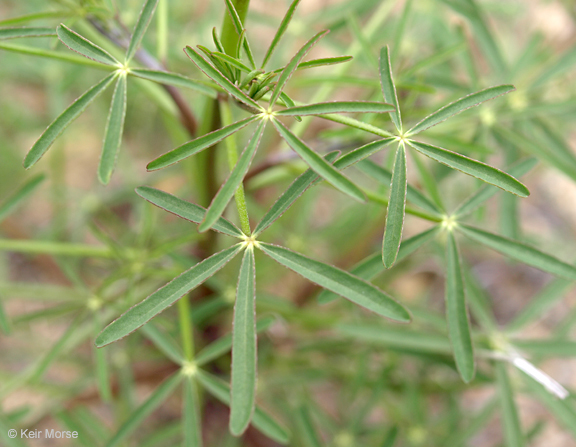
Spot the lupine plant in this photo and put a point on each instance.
(388, 163)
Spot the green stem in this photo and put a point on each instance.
(232, 151)
(229, 36)
(186, 328)
(55, 248)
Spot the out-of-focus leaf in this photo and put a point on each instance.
(512, 430)
(12, 33)
(20, 195)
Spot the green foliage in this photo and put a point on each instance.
(246, 330)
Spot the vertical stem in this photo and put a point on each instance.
(232, 151)
(229, 36)
(186, 329)
(162, 31)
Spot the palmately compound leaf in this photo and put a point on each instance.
(459, 106)
(185, 210)
(165, 297)
(457, 314)
(520, 252)
(395, 212)
(295, 190)
(219, 79)
(25, 31)
(198, 144)
(243, 380)
(234, 180)
(292, 66)
(472, 167)
(83, 46)
(280, 32)
(20, 195)
(318, 164)
(59, 124)
(113, 132)
(338, 281)
(388, 87)
(159, 395)
(221, 391)
(140, 28)
(324, 108)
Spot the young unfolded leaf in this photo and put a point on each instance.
(191, 422)
(318, 164)
(231, 61)
(457, 314)
(141, 27)
(324, 108)
(371, 266)
(239, 27)
(295, 190)
(472, 167)
(395, 212)
(175, 79)
(199, 144)
(511, 422)
(77, 43)
(460, 105)
(520, 252)
(221, 391)
(323, 61)
(338, 281)
(165, 297)
(292, 66)
(487, 191)
(19, 196)
(159, 395)
(280, 32)
(228, 189)
(219, 79)
(113, 132)
(59, 124)
(185, 210)
(388, 87)
(12, 33)
(243, 381)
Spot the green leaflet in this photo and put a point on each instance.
(547, 348)
(318, 164)
(175, 79)
(197, 145)
(457, 314)
(371, 266)
(280, 32)
(520, 252)
(191, 418)
(219, 79)
(295, 190)
(338, 281)
(77, 43)
(243, 381)
(512, 430)
(359, 154)
(323, 108)
(113, 132)
(185, 210)
(292, 66)
(484, 193)
(162, 341)
(459, 106)
(224, 343)
(141, 26)
(12, 33)
(5, 326)
(388, 88)
(220, 390)
(231, 61)
(20, 195)
(59, 124)
(323, 61)
(165, 297)
(384, 177)
(159, 395)
(395, 212)
(305, 425)
(472, 167)
(236, 177)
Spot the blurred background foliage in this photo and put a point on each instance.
(333, 374)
